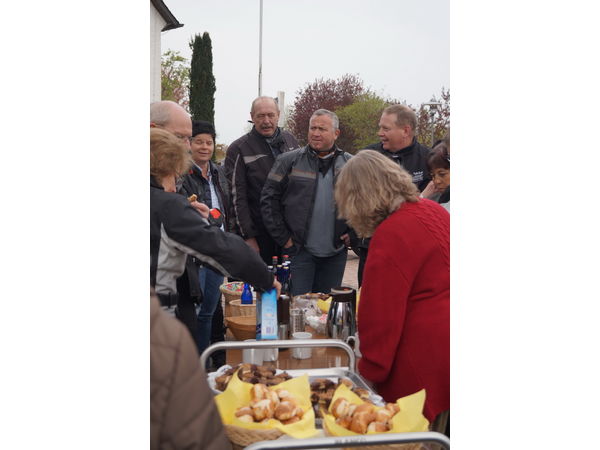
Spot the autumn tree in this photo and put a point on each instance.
(361, 117)
(436, 119)
(174, 78)
(202, 81)
(329, 94)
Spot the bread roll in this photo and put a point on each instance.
(245, 410)
(259, 392)
(284, 411)
(247, 418)
(290, 421)
(263, 409)
(364, 407)
(383, 415)
(377, 427)
(393, 407)
(361, 421)
(339, 408)
(345, 421)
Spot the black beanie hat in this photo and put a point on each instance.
(203, 127)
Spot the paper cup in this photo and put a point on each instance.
(252, 355)
(302, 353)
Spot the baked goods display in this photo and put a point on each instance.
(251, 373)
(365, 417)
(322, 390)
(267, 404)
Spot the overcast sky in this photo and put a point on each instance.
(398, 48)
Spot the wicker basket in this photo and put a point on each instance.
(232, 291)
(237, 309)
(414, 446)
(242, 327)
(244, 437)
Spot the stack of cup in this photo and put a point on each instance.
(299, 352)
(296, 320)
(252, 355)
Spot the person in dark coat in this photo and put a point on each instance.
(183, 413)
(207, 181)
(397, 127)
(247, 164)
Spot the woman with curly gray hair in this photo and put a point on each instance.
(404, 309)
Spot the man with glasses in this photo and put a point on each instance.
(247, 164)
(170, 116)
(173, 118)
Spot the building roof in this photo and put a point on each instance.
(164, 12)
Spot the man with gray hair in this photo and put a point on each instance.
(299, 210)
(247, 164)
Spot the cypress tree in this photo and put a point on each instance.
(202, 80)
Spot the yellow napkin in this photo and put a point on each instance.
(238, 394)
(324, 305)
(409, 419)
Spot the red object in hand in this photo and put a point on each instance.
(215, 213)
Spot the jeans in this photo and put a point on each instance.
(317, 274)
(210, 282)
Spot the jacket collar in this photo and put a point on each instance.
(402, 151)
(336, 151)
(255, 133)
(154, 183)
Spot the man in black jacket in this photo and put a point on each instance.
(247, 164)
(299, 211)
(397, 127)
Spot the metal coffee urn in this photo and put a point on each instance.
(341, 320)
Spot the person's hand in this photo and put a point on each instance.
(253, 244)
(346, 238)
(203, 209)
(429, 190)
(277, 286)
(289, 243)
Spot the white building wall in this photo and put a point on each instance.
(156, 24)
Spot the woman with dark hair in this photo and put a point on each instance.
(404, 309)
(438, 165)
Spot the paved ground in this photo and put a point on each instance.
(350, 277)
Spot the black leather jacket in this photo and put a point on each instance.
(288, 196)
(413, 158)
(177, 229)
(195, 183)
(247, 164)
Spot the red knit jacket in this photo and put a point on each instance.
(404, 309)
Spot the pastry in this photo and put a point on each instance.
(340, 407)
(360, 421)
(246, 418)
(393, 407)
(285, 410)
(259, 392)
(263, 409)
(378, 427)
(290, 421)
(383, 415)
(246, 410)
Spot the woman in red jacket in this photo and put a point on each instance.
(404, 309)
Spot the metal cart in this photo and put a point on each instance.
(333, 372)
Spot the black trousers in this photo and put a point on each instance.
(362, 259)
